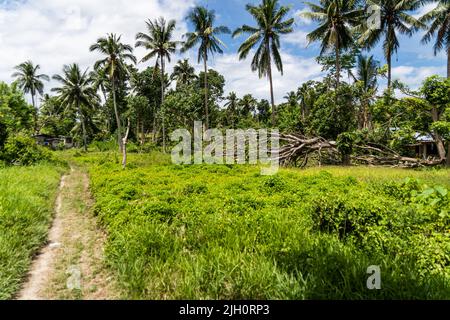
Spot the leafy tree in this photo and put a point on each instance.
(232, 109)
(76, 92)
(263, 109)
(336, 18)
(205, 36)
(366, 79)
(183, 73)
(436, 91)
(269, 16)
(334, 113)
(15, 113)
(247, 105)
(160, 45)
(394, 20)
(114, 65)
(439, 18)
(216, 85)
(31, 82)
(55, 119)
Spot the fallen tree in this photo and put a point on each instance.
(298, 149)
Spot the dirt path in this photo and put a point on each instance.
(71, 266)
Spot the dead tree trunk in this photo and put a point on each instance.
(299, 147)
(124, 145)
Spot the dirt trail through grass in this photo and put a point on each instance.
(71, 265)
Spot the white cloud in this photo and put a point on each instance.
(298, 38)
(57, 32)
(414, 76)
(242, 80)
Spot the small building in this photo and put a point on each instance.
(54, 142)
(425, 146)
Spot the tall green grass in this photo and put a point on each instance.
(27, 196)
(226, 232)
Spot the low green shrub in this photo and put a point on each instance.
(226, 232)
(22, 150)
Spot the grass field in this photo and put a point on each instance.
(27, 196)
(226, 232)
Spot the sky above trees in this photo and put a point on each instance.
(57, 32)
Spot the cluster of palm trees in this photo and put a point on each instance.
(342, 25)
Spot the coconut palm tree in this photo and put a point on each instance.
(440, 27)
(292, 99)
(31, 82)
(247, 105)
(183, 73)
(114, 65)
(367, 77)
(232, 107)
(395, 19)
(337, 19)
(78, 93)
(269, 17)
(205, 36)
(158, 41)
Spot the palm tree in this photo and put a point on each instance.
(77, 91)
(269, 17)
(183, 73)
(337, 19)
(440, 25)
(114, 65)
(395, 20)
(247, 104)
(31, 82)
(232, 107)
(205, 35)
(159, 43)
(292, 99)
(366, 76)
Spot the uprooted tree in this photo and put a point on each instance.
(298, 149)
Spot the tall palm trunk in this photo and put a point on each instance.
(338, 65)
(35, 113)
(119, 126)
(83, 126)
(448, 62)
(269, 72)
(389, 62)
(205, 64)
(162, 103)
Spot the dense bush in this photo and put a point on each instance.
(20, 149)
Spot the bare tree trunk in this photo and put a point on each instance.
(439, 140)
(162, 105)
(119, 126)
(389, 62)
(124, 144)
(338, 65)
(272, 97)
(448, 62)
(206, 89)
(448, 154)
(142, 133)
(35, 114)
(83, 126)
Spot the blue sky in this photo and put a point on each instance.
(57, 32)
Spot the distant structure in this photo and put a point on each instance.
(425, 146)
(54, 142)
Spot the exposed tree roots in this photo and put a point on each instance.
(298, 149)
